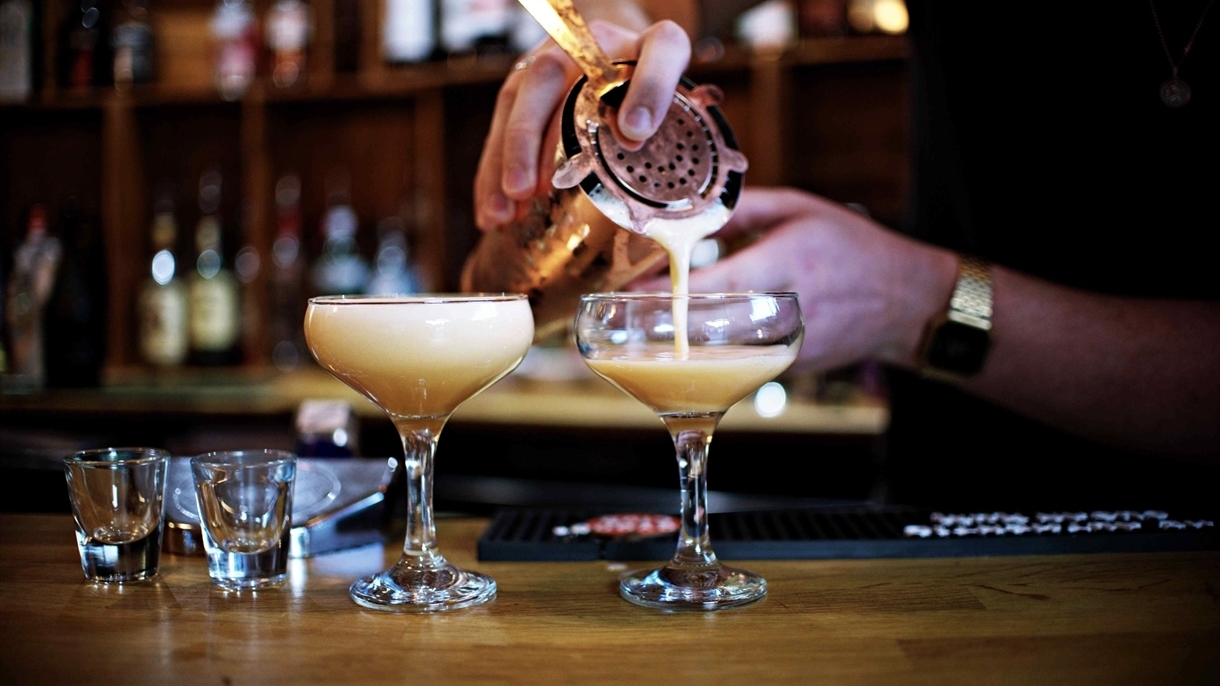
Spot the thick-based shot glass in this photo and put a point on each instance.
(245, 505)
(117, 496)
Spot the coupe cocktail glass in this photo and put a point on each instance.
(690, 375)
(418, 358)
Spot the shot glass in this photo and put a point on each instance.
(245, 505)
(117, 496)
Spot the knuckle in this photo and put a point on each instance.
(549, 65)
(668, 31)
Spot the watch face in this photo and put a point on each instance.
(957, 348)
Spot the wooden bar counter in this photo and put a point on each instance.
(1148, 618)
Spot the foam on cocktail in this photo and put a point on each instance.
(420, 360)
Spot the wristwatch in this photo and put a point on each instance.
(956, 342)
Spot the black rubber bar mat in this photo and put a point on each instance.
(849, 532)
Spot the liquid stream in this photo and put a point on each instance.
(679, 239)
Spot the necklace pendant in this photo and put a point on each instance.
(1175, 93)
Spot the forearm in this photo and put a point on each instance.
(1140, 373)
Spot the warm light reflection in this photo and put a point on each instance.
(886, 16)
(890, 16)
(298, 575)
(770, 400)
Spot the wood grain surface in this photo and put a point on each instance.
(1077, 619)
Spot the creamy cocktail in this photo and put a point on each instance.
(737, 342)
(706, 380)
(418, 358)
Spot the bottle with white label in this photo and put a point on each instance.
(163, 303)
(215, 317)
(35, 265)
(526, 33)
(393, 270)
(133, 43)
(289, 27)
(408, 32)
(341, 269)
(235, 47)
(476, 26)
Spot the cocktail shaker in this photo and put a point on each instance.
(590, 233)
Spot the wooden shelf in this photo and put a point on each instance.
(410, 80)
(582, 403)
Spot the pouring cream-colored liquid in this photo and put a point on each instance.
(415, 358)
(679, 239)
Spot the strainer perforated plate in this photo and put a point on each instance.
(690, 167)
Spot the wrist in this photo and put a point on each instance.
(922, 293)
(957, 341)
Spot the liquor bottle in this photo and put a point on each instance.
(340, 269)
(347, 35)
(287, 279)
(235, 42)
(132, 40)
(35, 263)
(289, 27)
(84, 47)
(163, 305)
(74, 323)
(18, 55)
(768, 28)
(215, 319)
(822, 18)
(408, 32)
(525, 32)
(475, 26)
(394, 274)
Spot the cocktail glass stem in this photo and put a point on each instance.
(693, 579)
(422, 580)
(419, 440)
(694, 544)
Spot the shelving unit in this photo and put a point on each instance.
(827, 115)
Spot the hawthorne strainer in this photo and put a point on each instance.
(690, 168)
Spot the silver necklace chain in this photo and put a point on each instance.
(1175, 92)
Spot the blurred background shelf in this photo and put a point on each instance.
(580, 403)
(826, 114)
(402, 141)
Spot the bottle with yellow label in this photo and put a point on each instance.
(215, 310)
(163, 299)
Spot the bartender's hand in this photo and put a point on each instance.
(1141, 373)
(865, 291)
(518, 155)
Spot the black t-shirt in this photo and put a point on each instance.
(1041, 143)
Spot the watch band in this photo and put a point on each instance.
(970, 303)
(956, 341)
